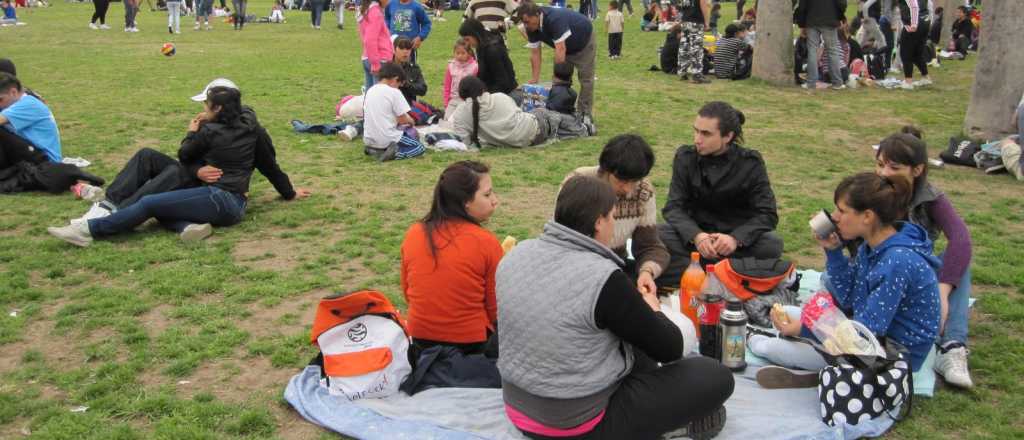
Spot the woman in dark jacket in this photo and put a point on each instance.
(223, 146)
(496, 70)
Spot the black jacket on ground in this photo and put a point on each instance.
(236, 149)
(819, 13)
(562, 98)
(495, 68)
(729, 193)
(414, 85)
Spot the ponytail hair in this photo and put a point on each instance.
(730, 120)
(888, 197)
(470, 89)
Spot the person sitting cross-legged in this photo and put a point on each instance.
(720, 202)
(226, 138)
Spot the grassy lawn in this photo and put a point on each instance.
(164, 340)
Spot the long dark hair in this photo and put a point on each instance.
(472, 27)
(470, 89)
(457, 186)
(907, 149)
(888, 197)
(230, 102)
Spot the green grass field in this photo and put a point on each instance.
(165, 340)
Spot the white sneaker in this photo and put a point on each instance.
(952, 366)
(348, 134)
(96, 211)
(74, 233)
(135, 29)
(906, 86)
(209, 27)
(197, 27)
(93, 26)
(924, 82)
(196, 232)
(104, 27)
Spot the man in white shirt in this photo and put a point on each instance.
(387, 125)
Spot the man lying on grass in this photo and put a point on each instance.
(223, 146)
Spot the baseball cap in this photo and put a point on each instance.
(219, 82)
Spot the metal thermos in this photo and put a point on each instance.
(710, 336)
(733, 323)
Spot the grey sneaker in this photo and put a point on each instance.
(704, 428)
(390, 153)
(76, 233)
(775, 377)
(700, 79)
(196, 232)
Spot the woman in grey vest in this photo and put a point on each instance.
(580, 345)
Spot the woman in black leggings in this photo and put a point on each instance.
(915, 17)
(100, 14)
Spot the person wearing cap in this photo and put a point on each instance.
(207, 186)
(572, 36)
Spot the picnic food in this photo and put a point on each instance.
(508, 243)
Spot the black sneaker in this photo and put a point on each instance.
(170, 30)
(684, 77)
(774, 377)
(700, 79)
(704, 428)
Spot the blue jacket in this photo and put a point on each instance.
(408, 20)
(892, 290)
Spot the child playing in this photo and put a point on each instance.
(386, 118)
(614, 20)
(716, 13)
(277, 12)
(463, 64)
(561, 97)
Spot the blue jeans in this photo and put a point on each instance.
(316, 9)
(370, 80)
(175, 210)
(956, 316)
(833, 54)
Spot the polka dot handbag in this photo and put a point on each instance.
(854, 389)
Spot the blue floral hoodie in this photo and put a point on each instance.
(893, 289)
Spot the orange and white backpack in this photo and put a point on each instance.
(363, 345)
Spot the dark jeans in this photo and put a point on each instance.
(652, 401)
(768, 245)
(912, 50)
(175, 210)
(100, 13)
(615, 44)
(147, 172)
(316, 11)
(14, 149)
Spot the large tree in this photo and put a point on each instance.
(773, 56)
(999, 74)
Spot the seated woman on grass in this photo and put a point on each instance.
(225, 137)
(890, 286)
(581, 346)
(495, 119)
(906, 155)
(449, 260)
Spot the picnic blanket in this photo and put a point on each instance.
(468, 413)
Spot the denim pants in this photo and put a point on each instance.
(316, 11)
(175, 210)
(370, 79)
(833, 54)
(174, 16)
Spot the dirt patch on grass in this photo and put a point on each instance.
(274, 254)
(263, 320)
(236, 379)
(290, 426)
(157, 319)
(37, 335)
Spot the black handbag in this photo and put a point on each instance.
(960, 152)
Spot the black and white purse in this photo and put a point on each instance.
(853, 389)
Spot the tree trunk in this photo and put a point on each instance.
(773, 55)
(948, 16)
(997, 76)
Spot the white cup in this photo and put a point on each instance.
(822, 225)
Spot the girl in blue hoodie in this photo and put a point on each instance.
(890, 286)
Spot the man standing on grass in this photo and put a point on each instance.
(572, 36)
(720, 202)
(696, 15)
(408, 18)
(819, 19)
